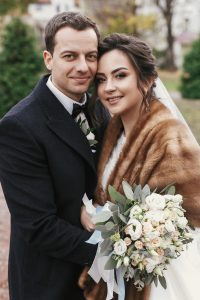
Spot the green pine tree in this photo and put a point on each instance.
(190, 80)
(21, 64)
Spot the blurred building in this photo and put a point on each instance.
(42, 10)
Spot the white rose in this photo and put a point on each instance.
(182, 222)
(90, 136)
(155, 201)
(127, 240)
(176, 212)
(175, 198)
(135, 210)
(134, 229)
(126, 261)
(150, 264)
(169, 226)
(120, 247)
(158, 271)
(152, 235)
(147, 227)
(155, 216)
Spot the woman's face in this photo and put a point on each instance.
(117, 83)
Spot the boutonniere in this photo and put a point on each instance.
(89, 132)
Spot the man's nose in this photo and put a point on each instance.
(82, 65)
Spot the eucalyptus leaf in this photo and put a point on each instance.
(106, 246)
(102, 216)
(137, 274)
(163, 281)
(107, 234)
(101, 228)
(138, 192)
(84, 127)
(127, 190)
(155, 280)
(116, 217)
(146, 190)
(124, 220)
(171, 190)
(110, 264)
(149, 279)
(109, 225)
(116, 196)
(165, 190)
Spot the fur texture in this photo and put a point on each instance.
(159, 151)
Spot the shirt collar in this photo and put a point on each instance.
(64, 100)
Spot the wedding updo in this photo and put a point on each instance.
(140, 56)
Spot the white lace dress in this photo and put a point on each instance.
(183, 273)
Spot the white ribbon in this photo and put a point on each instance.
(97, 270)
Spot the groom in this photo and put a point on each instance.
(46, 166)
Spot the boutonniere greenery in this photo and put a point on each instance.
(89, 132)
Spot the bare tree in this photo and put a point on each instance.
(167, 9)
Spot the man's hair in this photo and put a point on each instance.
(140, 56)
(74, 20)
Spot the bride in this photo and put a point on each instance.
(146, 142)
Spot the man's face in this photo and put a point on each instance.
(73, 64)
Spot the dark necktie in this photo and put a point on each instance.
(77, 109)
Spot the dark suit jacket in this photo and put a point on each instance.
(46, 166)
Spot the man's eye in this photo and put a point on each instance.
(69, 56)
(92, 57)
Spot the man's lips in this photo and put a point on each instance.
(81, 79)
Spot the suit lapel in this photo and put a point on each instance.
(61, 123)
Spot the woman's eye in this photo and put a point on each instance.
(99, 80)
(120, 75)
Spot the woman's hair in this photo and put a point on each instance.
(140, 55)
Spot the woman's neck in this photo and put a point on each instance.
(130, 119)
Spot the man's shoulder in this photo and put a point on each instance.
(26, 106)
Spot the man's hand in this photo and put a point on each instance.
(86, 220)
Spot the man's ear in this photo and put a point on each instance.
(47, 59)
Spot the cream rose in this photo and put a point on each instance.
(155, 202)
(120, 247)
(182, 222)
(169, 226)
(134, 229)
(147, 227)
(139, 245)
(135, 210)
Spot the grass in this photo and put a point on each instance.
(189, 108)
(191, 112)
(170, 79)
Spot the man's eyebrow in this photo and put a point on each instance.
(114, 71)
(74, 51)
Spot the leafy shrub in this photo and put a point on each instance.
(190, 79)
(21, 64)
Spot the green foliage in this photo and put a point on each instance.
(128, 23)
(190, 80)
(7, 6)
(20, 64)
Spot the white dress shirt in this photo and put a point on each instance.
(64, 100)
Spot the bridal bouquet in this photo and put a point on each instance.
(141, 232)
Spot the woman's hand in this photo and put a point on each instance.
(86, 220)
